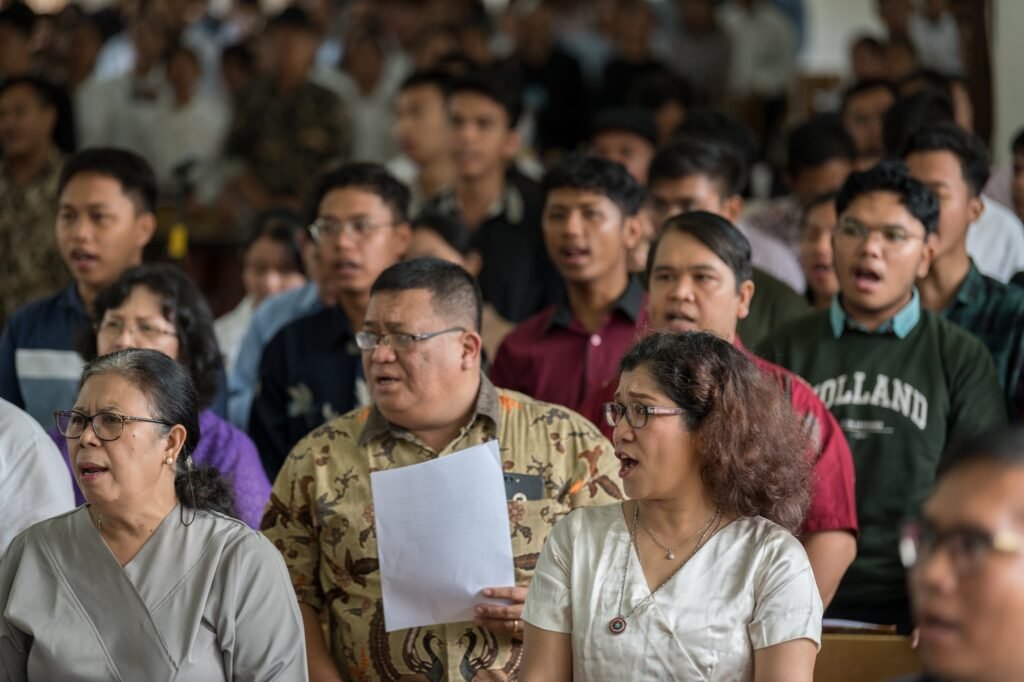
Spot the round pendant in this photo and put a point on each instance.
(670, 555)
(617, 625)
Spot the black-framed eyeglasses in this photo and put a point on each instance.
(400, 341)
(969, 547)
(106, 425)
(636, 414)
(357, 228)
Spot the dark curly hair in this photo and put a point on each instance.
(169, 390)
(184, 307)
(754, 456)
(892, 176)
(595, 174)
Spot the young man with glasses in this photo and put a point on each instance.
(420, 343)
(310, 371)
(901, 381)
(965, 558)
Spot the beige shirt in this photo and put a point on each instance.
(321, 518)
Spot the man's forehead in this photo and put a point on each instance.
(880, 207)
(399, 305)
(696, 183)
(575, 196)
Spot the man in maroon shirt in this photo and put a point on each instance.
(699, 279)
(572, 349)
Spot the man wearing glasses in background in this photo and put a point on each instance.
(420, 344)
(310, 371)
(965, 558)
(901, 381)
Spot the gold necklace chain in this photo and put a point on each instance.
(670, 551)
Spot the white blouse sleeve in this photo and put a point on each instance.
(549, 600)
(787, 604)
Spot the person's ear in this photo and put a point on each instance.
(402, 239)
(473, 262)
(145, 228)
(975, 207)
(174, 442)
(632, 231)
(472, 344)
(512, 142)
(746, 295)
(927, 255)
(732, 208)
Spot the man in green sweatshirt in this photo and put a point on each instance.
(901, 381)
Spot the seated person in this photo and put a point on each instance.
(572, 349)
(152, 579)
(706, 175)
(820, 156)
(285, 127)
(499, 205)
(995, 240)
(420, 345)
(954, 165)
(439, 236)
(862, 112)
(310, 371)
(698, 576)
(34, 484)
(105, 198)
(271, 264)
(629, 136)
(969, 599)
(874, 359)
(159, 307)
(817, 230)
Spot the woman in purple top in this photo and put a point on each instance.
(158, 307)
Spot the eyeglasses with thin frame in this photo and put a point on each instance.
(969, 548)
(893, 236)
(113, 328)
(400, 341)
(106, 425)
(636, 414)
(356, 228)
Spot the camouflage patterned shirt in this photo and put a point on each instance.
(321, 519)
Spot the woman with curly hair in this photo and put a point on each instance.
(159, 308)
(697, 576)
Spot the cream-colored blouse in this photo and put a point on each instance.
(749, 587)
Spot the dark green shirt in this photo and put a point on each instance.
(994, 312)
(773, 305)
(900, 395)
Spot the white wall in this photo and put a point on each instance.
(1007, 83)
(831, 26)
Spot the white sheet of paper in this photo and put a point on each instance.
(442, 536)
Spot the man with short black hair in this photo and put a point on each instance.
(873, 359)
(572, 349)
(627, 136)
(954, 165)
(105, 205)
(29, 171)
(863, 112)
(704, 175)
(499, 205)
(310, 370)
(420, 344)
(423, 134)
(821, 156)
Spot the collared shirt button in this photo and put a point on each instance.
(595, 340)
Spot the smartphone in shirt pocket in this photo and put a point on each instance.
(523, 487)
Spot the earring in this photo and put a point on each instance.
(169, 461)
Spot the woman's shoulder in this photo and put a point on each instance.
(56, 530)
(764, 538)
(233, 535)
